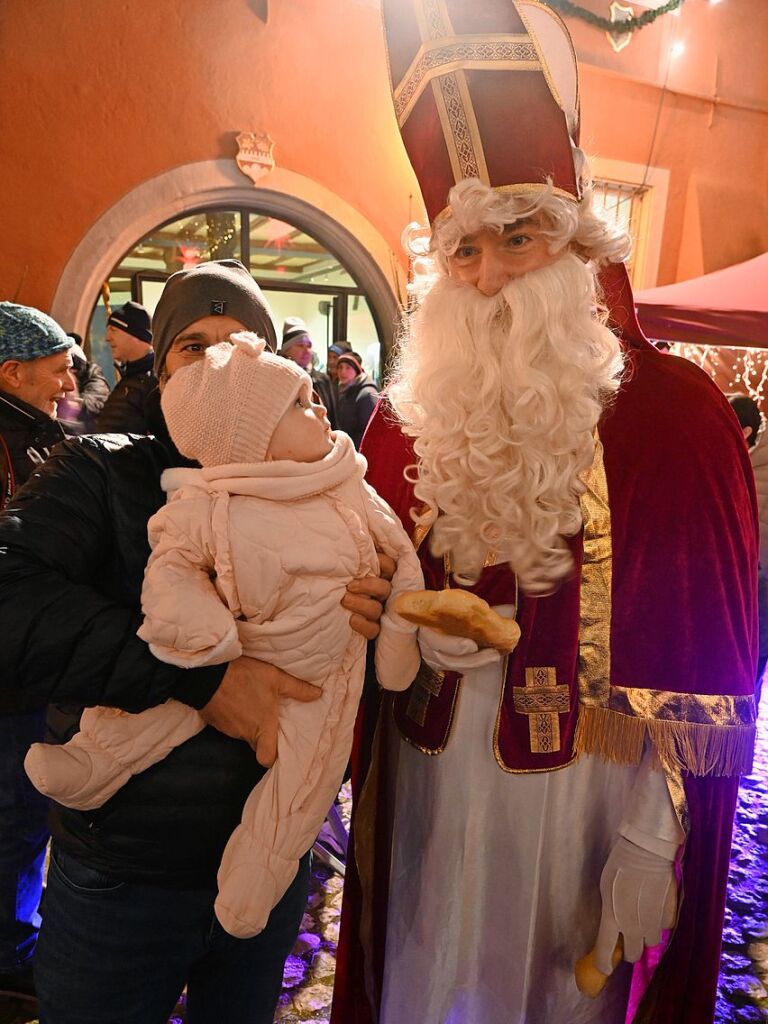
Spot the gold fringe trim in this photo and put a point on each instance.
(679, 746)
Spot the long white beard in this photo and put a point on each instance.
(502, 396)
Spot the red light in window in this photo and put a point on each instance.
(190, 256)
(277, 233)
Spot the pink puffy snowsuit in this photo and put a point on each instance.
(255, 560)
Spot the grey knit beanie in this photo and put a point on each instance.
(294, 329)
(217, 288)
(27, 333)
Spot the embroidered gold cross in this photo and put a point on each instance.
(542, 700)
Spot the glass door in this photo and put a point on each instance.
(299, 276)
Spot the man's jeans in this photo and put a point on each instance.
(23, 838)
(114, 952)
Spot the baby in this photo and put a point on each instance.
(251, 555)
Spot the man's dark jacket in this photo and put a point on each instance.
(321, 383)
(355, 405)
(73, 546)
(28, 435)
(125, 411)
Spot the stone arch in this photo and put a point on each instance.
(284, 194)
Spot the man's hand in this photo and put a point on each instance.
(246, 705)
(366, 598)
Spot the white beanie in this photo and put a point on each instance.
(224, 407)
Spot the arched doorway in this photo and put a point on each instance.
(220, 216)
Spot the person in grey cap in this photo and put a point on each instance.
(129, 335)
(129, 915)
(297, 346)
(35, 374)
(203, 306)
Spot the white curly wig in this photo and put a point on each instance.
(502, 394)
(473, 205)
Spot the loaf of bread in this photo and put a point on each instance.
(590, 980)
(459, 613)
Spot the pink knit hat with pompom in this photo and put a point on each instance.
(224, 408)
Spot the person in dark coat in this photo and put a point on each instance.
(297, 346)
(35, 375)
(80, 412)
(129, 335)
(129, 915)
(358, 396)
(751, 422)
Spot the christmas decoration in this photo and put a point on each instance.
(742, 370)
(255, 154)
(613, 26)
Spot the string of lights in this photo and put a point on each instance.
(732, 369)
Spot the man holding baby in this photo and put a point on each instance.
(129, 907)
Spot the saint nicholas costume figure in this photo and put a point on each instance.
(513, 813)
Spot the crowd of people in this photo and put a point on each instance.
(199, 583)
(348, 392)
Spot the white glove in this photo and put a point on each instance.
(444, 653)
(639, 894)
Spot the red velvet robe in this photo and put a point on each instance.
(682, 612)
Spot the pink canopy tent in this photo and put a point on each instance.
(727, 307)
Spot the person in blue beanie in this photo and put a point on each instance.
(35, 374)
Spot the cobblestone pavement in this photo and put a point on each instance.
(308, 976)
(743, 990)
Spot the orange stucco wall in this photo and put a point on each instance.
(103, 96)
(97, 97)
(712, 131)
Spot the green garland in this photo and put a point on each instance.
(615, 27)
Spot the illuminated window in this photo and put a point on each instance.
(635, 197)
(297, 273)
(622, 205)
